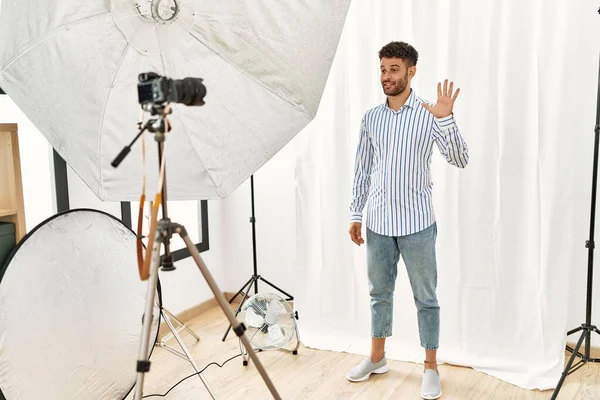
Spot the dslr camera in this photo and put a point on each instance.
(157, 90)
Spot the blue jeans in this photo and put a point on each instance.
(418, 253)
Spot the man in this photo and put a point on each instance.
(392, 172)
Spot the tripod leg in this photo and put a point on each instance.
(574, 330)
(571, 350)
(189, 356)
(248, 285)
(243, 289)
(238, 328)
(595, 360)
(569, 364)
(187, 329)
(143, 364)
(290, 297)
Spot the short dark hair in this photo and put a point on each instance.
(400, 50)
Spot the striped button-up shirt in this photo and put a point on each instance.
(392, 168)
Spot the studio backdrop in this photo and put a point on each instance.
(512, 225)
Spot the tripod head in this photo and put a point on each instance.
(159, 124)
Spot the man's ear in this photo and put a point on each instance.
(412, 71)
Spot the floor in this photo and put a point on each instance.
(317, 374)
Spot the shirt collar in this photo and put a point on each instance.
(411, 101)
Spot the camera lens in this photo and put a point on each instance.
(190, 91)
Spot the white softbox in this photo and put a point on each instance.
(71, 309)
(72, 67)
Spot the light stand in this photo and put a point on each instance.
(167, 316)
(586, 328)
(255, 277)
(164, 231)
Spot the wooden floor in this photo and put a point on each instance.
(320, 375)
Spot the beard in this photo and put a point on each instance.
(398, 86)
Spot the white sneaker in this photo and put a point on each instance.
(431, 386)
(365, 368)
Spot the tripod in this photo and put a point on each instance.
(255, 277)
(164, 231)
(586, 328)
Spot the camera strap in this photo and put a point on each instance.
(144, 263)
(139, 242)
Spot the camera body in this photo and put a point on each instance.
(159, 90)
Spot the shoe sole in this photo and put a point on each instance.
(431, 397)
(380, 370)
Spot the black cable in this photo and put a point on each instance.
(188, 377)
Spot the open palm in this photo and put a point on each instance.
(445, 100)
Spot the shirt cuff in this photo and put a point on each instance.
(356, 217)
(446, 122)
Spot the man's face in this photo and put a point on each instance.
(394, 76)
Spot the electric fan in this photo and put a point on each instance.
(270, 324)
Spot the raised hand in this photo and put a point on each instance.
(445, 100)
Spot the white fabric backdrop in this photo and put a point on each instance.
(509, 224)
